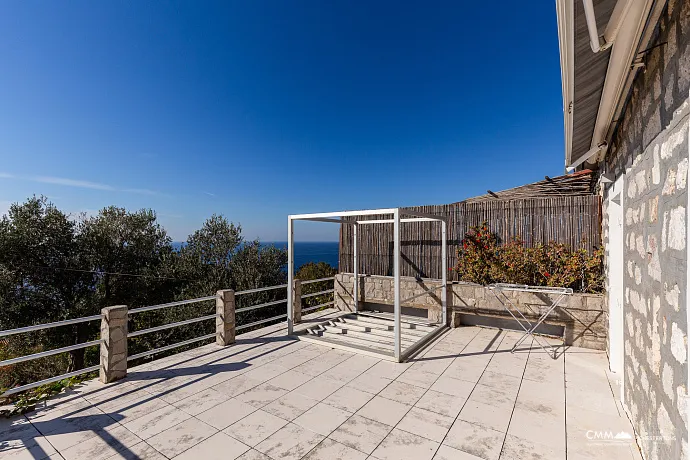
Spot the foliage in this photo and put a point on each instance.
(483, 260)
(28, 400)
(55, 267)
(477, 256)
(132, 243)
(205, 261)
(315, 271)
(38, 247)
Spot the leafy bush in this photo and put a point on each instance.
(29, 399)
(315, 271)
(55, 267)
(483, 260)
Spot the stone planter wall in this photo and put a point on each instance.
(581, 318)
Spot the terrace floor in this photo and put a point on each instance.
(466, 397)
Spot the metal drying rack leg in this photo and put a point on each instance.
(529, 331)
(541, 319)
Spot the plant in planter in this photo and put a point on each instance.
(483, 260)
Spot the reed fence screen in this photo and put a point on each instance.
(571, 220)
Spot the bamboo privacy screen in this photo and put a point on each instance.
(572, 220)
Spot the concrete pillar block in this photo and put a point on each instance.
(454, 317)
(296, 301)
(225, 321)
(434, 315)
(113, 365)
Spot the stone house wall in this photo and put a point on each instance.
(582, 317)
(650, 148)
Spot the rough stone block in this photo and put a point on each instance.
(575, 301)
(296, 301)
(454, 319)
(225, 322)
(113, 352)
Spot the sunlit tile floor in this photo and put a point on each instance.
(268, 396)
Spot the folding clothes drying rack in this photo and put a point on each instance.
(500, 289)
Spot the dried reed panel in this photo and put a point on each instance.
(571, 220)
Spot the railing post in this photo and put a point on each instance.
(296, 301)
(225, 322)
(113, 343)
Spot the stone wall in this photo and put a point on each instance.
(650, 148)
(582, 317)
(379, 290)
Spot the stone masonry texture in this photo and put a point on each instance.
(296, 301)
(650, 148)
(225, 321)
(113, 364)
(583, 316)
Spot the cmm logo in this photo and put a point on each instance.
(593, 435)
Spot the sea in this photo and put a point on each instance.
(304, 251)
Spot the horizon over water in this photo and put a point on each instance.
(305, 251)
(311, 251)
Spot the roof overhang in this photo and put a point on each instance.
(596, 80)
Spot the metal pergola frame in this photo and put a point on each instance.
(396, 220)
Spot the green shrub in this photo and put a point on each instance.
(483, 260)
(315, 271)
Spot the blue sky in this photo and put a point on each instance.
(260, 109)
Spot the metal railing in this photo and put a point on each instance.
(213, 316)
(43, 354)
(256, 323)
(200, 319)
(170, 326)
(316, 307)
(172, 304)
(328, 278)
(252, 291)
(170, 347)
(38, 327)
(314, 294)
(142, 332)
(261, 305)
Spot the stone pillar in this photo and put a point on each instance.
(113, 344)
(225, 322)
(455, 320)
(297, 301)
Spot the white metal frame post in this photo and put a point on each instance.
(339, 218)
(291, 273)
(444, 275)
(396, 282)
(355, 288)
